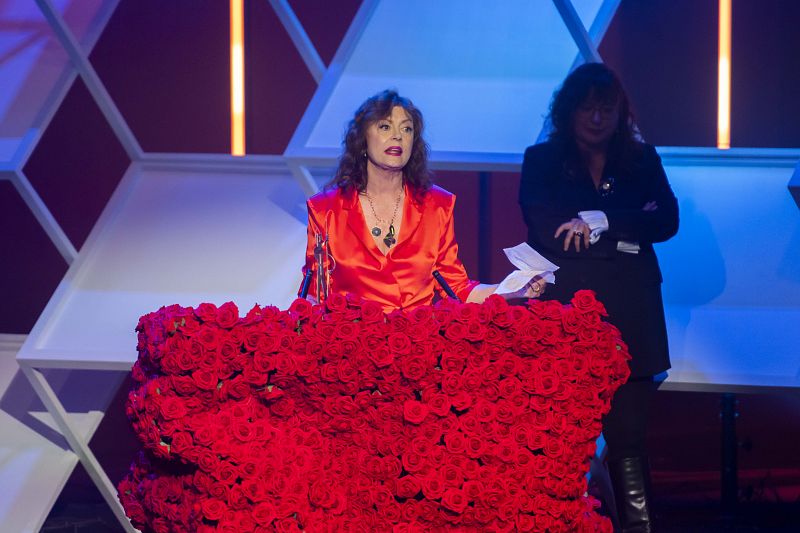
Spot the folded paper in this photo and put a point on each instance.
(530, 264)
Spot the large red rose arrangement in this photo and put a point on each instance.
(452, 417)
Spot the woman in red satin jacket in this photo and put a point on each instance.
(387, 227)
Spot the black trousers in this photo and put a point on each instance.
(625, 426)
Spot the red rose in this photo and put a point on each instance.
(413, 367)
(439, 404)
(553, 448)
(347, 330)
(336, 302)
(214, 509)
(485, 514)
(371, 312)
(484, 411)
(263, 363)
(208, 337)
(455, 500)
(300, 309)
(547, 383)
(173, 407)
(227, 315)
(254, 489)
(419, 333)
(285, 363)
(135, 512)
(507, 513)
(321, 493)
(205, 379)
(181, 443)
(183, 359)
(237, 498)
(585, 301)
(329, 372)
(453, 475)
(254, 315)
(347, 373)
(453, 362)
(397, 321)
(408, 487)
(399, 343)
(451, 383)
(461, 400)
(588, 335)
(236, 388)
(473, 489)
(421, 314)
(476, 446)
(433, 487)
(544, 522)
(414, 411)
(466, 312)
(413, 462)
(475, 331)
(207, 313)
(409, 512)
(455, 331)
(184, 385)
(505, 412)
(242, 430)
(506, 450)
(306, 366)
(571, 320)
(472, 380)
(496, 304)
(283, 407)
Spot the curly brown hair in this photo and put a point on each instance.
(352, 170)
(594, 81)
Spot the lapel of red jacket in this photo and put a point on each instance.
(357, 223)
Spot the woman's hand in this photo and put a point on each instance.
(577, 232)
(533, 289)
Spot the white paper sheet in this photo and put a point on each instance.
(530, 264)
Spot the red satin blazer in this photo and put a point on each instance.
(403, 278)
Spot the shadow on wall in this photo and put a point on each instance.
(699, 275)
(787, 268)
(695, 274)
(21, 402)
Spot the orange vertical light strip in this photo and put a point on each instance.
(724, 77)
(237, 77)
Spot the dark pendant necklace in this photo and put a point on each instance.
(390, 239)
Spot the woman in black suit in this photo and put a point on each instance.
(595, 199)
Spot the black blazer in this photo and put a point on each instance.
(552, 192)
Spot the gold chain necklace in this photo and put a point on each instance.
(389, 240)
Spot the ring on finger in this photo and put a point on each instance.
(579, 234)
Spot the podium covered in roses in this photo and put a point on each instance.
(452, 417)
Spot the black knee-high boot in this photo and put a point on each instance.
(630, 479)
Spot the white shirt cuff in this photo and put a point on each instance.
(597, 222)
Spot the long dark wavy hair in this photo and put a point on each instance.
(352, 170)
(594, 82)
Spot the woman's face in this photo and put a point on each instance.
(390, 139)
(595, 122)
